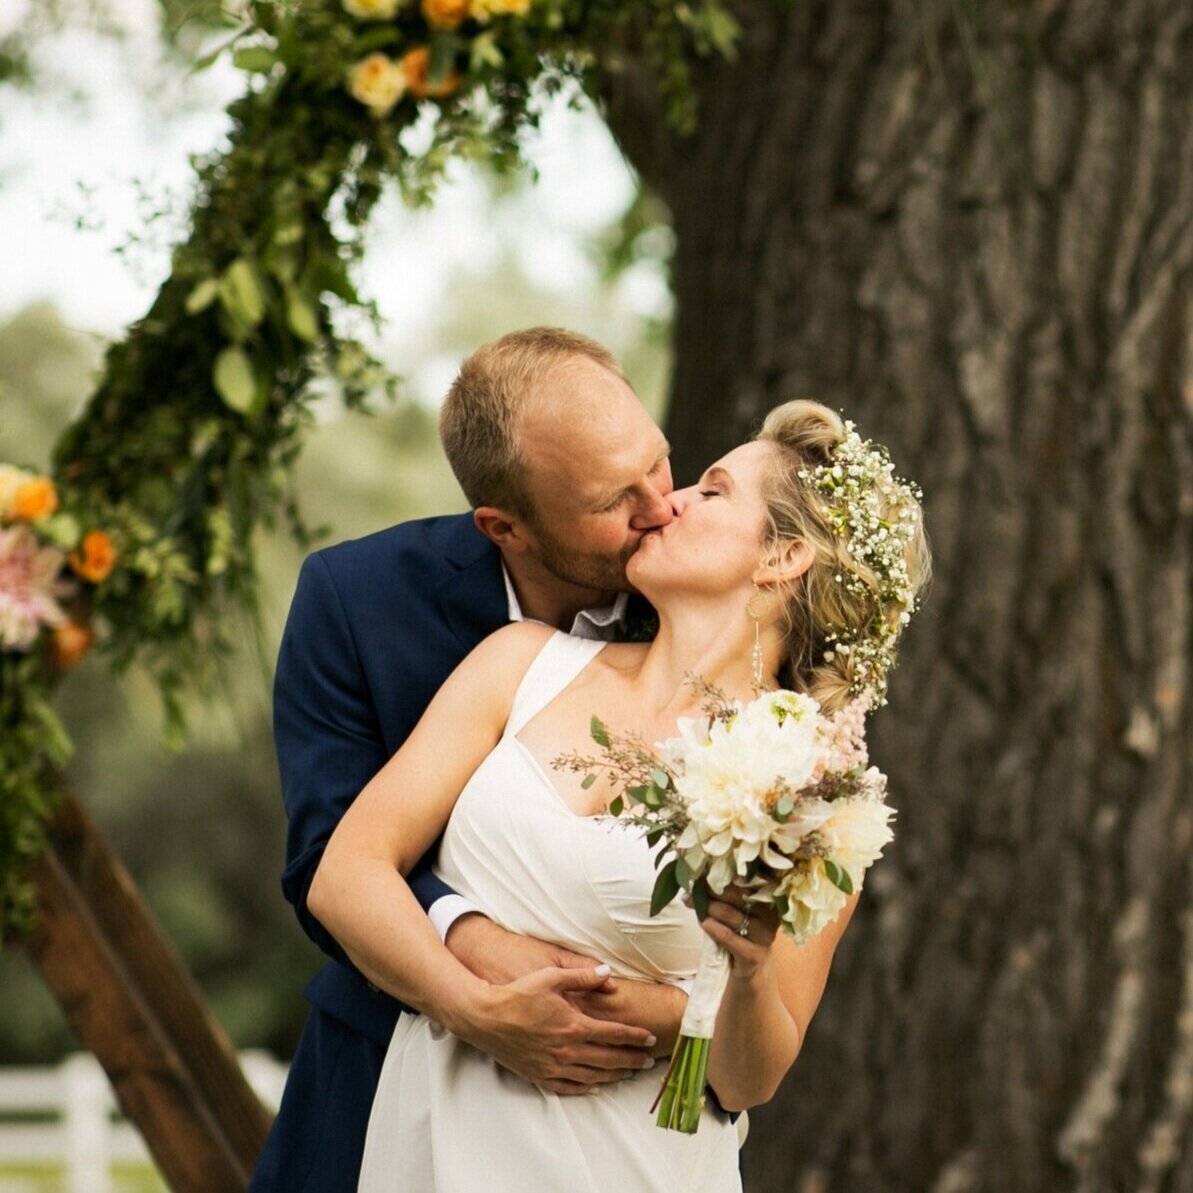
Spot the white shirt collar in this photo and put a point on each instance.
(598, 624)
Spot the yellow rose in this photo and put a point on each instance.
(34, 499)
(378, 82)
(11, 479)
(499, 8)
(445, 14)
(373, 10)
(416, 65)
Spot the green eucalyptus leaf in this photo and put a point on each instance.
(666, 887)
(202, 296)
(600, 734)
(653, 797)
(256, 59)
(661, 779)
(637, 794)
(241, 293)
(616, 806)
(683, 872)
(700, 897)
(653, 837)
(301, 317)
(838, 876)
(379, 37)
(589, 780)
(235, 380)
(484, 51)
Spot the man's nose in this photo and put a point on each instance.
(657, 513)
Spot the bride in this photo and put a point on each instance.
(538, 853)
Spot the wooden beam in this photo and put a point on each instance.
(133, 1004)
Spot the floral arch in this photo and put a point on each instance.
(144, 530)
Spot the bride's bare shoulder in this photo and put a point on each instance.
(515, 643)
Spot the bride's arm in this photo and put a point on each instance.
(774, 989)
(360, 895)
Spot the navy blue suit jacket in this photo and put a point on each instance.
(375, 628)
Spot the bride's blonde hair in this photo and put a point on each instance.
(831, 490)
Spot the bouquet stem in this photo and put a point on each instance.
(681, 1098)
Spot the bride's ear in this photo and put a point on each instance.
(786, 560)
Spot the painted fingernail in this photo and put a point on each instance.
(602, 971)
(651, 1041)
(649, 1063)
(596, 1089)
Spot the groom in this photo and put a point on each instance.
(565, 472)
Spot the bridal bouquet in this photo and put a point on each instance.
(773, 796)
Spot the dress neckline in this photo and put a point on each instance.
(541, 774)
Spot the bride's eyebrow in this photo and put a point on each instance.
(717, 475)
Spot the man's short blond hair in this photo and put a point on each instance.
(478, 424)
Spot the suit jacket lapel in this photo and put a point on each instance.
(472, 595)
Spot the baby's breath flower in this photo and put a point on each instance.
(876, 514)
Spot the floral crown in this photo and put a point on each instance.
(877, 514)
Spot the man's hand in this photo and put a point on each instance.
(556, 1018)
(530, 1027)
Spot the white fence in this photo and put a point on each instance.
(66, 1118)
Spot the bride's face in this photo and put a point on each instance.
(714, 544)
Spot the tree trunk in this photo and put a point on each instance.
(975, 235)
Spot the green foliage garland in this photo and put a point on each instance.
(183, 450)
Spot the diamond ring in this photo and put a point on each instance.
(744, 928)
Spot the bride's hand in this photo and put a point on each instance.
(726, 915)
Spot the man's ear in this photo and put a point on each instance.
(506, 530)
(786, 560)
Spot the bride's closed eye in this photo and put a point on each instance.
(710, 493)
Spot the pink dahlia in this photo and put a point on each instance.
(30, 586)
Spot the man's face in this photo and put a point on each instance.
(597, 474)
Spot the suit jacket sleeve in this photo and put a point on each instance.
(329, 744)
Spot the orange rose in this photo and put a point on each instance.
(416, 65)
(71, 644)
(34, 499)
(98, 557)
(445, 14)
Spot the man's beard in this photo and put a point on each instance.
(586, 569)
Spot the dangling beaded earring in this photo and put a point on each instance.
(756, 614)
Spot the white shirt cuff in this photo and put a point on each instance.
(446, 910)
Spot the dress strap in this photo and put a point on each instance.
(560, 660)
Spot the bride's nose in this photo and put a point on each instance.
(680, 499)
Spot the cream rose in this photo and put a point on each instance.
(378, 82)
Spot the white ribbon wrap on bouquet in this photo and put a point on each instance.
(712, 976)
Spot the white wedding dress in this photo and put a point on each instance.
(447, 1118)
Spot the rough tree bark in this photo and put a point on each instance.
(977, 239)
